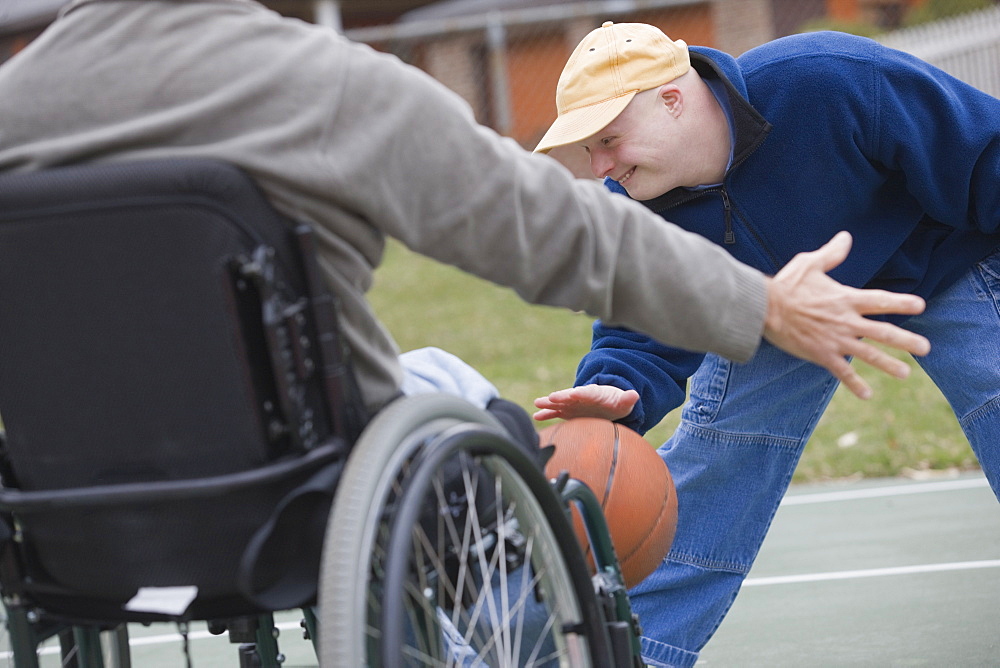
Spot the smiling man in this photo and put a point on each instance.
(769, 155)
(645, 147)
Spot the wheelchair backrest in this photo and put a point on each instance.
(130, 325)
(175, 402)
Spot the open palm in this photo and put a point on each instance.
(601, 401)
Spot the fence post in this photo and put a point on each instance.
(496, 44)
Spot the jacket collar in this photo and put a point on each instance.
(750, 128)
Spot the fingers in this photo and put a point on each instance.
(877, 358)
(844, 372)
(547, 410)
(881, 360)
(554, 405)
(602, 401)
(834, 251)
(814, 317)
(893, 336)
(546, 414)
(555, 399)
(877, 302)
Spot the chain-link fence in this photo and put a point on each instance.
(505, 60)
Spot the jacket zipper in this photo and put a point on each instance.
(730, 236)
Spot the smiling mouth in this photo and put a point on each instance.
(626, 176)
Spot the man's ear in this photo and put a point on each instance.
(672, 97)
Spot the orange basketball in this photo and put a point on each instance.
(630, 480)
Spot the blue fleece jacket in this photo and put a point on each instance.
(833, 132)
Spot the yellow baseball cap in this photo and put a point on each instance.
(603, 74)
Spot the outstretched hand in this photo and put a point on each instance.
(814, 317)
(600, 401)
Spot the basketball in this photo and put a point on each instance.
(631, 482)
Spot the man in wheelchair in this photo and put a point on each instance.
(194, 196)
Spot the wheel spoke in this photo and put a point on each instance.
(467, 565)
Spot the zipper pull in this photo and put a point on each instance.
(730, 237)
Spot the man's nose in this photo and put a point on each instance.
(601, 163)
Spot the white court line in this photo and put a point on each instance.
(749, 582)
(195, 635)
(802, 499)
(156, 640)
(893, 490)
(871, 573)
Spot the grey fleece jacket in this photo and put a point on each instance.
(363, 147)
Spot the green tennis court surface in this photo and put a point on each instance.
(878, 573)
(881, 573)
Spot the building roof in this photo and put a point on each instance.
(454, 8)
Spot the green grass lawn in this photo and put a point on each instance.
(528, 351)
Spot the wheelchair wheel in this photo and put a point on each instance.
(447, 547)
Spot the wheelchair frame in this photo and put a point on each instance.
(417, 441)
(256, 637)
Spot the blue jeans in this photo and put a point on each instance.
(740, 438)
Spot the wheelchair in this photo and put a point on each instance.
(181, 440)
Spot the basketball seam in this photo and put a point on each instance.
(613, 468)
(659, 520)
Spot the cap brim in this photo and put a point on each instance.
(578, 124)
